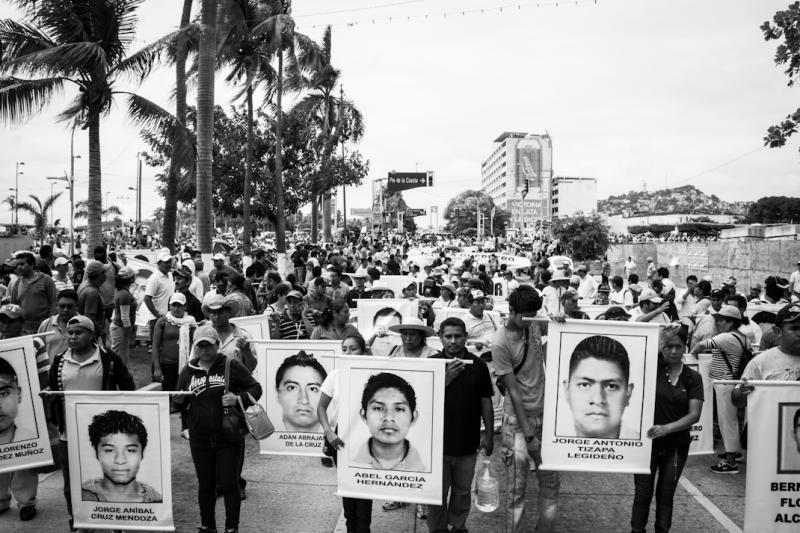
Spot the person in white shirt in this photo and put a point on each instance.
(551, 294)
(588, 286)
(619, 295)
(651, 308)
(61, 276)
(686, 300)
(630, 267)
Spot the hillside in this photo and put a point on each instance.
(686, 199)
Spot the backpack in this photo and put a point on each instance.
(746, 357)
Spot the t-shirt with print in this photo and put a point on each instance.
(507, 349)
(773, 365)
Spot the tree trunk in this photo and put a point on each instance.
(248, 172)
(280, 230)
(205, 124)
(95, 201)
(314, 217)
(171, 197)
(326, 217)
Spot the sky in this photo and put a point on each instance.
(636, 93)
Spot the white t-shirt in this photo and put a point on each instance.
(794, 280)
(331, 388)
(160, 288)
(588, 288)
(623, 297)
(773, 365)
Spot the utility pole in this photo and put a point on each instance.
(344, 187)
(138, 188)
(16, 195)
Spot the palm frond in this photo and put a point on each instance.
(140, 64)
(20, 99)
(147, 113)
(65, 59)
(20, 38)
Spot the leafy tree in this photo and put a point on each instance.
(84, 43)
(39, 209)
(582, 237)
(465, 202)
(786, 25)
(774, 209)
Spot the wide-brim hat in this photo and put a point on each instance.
(560, 274)
(728, 311)
(413, 324)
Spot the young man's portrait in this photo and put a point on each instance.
(789, 460)
(598, 390)
(389, 409)
(11, 428)
(119, 440)
(297, 382)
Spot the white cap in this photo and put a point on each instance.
(177, 298)
(218, 257)
(164, 257)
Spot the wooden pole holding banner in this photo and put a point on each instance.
(114, 392)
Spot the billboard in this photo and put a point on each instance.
(528, 211)
(529, 167)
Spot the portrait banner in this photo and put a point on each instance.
(120, 460)
(24, 442)
(702, 432)
(377, 316)
(396, 284)
(391, 417)
(256, 325)
(599, 396)
(291, 381)
(772, 491)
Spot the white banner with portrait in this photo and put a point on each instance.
(120, 460)
(291, 374)
(377, 316)
(772, 490)
(599, 396)
(702, 432)
(391, 418)
(256, 325)
(24, 442)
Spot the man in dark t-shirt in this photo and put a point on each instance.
(467, 400)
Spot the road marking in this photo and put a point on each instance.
(715, 511)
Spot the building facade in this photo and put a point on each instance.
(519, 159)
(572, 196)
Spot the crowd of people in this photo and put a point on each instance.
(90, 311)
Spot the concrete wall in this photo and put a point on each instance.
(750, 261)
(9, 245)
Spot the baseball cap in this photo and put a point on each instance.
(649, 295)
(295, 294)
(82, 322)
(205, 333)
(126, 272)
(582, 268)
(729, 311)
(94, 267)
(12, 311)
(788, 313)
(218, 257)
(185, 256)
(177, 298)
(575, 280)
(650, 259)
(164, 257)
(61, 261)
(731, 281)
(477, 294)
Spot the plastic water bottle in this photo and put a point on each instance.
(487, 494)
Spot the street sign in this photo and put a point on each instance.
(415, 212)
(400, 181)
(363, 213)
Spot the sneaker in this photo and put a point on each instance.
(185, 434)
(739, 457)
(422, 512)
(724, 467)
(327, 462)
(393, 506)
(27, 512)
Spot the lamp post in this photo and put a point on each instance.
(105, 215)
(138, 187)
(16, 194)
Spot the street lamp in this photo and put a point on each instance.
(71, 204)
(105, 217)
(16, 194)
(138, 188)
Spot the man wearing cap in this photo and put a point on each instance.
(781, 363)
(728, 347)
(794, 282)
(235, 261)
(124, 318)
(652, 308)
(358, 291)
(159, 288)
(219, 266)
(90, 301)
(84, 366)
(234, 341)
(57, 341)
(290, 324)
(61, 276)
(587, 289)
(182, 279)
(706, 326)
(480, 326)
(413, 334)
(755, 293)
(33, 291)
(195, 284)
(551, 294)
(571, 306)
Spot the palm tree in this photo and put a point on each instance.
(38, 210)
(247, 56)
(327, 113)
(179, 142)
(82, 210)
(80, 42)
(205, 122)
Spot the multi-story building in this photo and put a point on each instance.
(572, 196)
(519, 158)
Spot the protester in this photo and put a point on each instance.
(413, 334)
(291, 324)
(216, 454)
(124, 317)
(57, 341)
(159, 289)
(90, 301)
(85, 366)
(234, 342)
(33, 291)
(333, 323)
(61, 276)
(679, 401)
